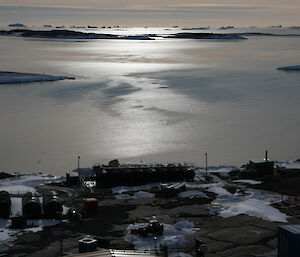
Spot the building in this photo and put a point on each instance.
(117, 253)
(133, 175)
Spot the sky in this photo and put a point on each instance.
(151, 12)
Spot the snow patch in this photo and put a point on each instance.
(290, 164)
(122, 189)
(84, 172)
(254, 203)
(218, 189)
(7, 235)
(142, 194)
(136, 195)
(26, 183)
(254, 207)
(173, 236)
(180, 254)
(192, 194)
(247, 181)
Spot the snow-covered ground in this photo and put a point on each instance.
(120, 191)
(136, 195)
(217, 169)
(123, 189)
(15, 77)
(251, 202)
(173, 236)
(84, 172)
(192, 194)
(289, 164)
(222, 170)
(26, 183)
(7, 235)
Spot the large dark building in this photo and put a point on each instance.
(131, 175)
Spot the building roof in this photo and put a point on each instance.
(116, 253)
(261, 161)
(294, 229)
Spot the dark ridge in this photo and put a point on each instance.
(206, 36)
(4, 175)
(64, 33)
(68, 34)
(249, 34)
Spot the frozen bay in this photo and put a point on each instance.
(160, 100)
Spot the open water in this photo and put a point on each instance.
(162, 100)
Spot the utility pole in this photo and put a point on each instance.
(78, 163)
(206, 164)
(59, 216)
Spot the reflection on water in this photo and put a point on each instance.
(163, 100)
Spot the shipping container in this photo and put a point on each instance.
(90, 206)
(289, 241)
(18, 222)
(5, 204)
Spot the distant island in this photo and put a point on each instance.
(71, 34)
(290, 68)
(67, 34)
(20, 25)
(207, 36)
(7, 77)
